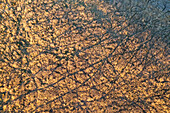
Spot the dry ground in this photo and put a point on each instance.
(86, 56)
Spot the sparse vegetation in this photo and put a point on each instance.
(83, 56)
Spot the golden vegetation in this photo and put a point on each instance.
(85, 56)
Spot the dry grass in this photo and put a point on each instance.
(86, 56)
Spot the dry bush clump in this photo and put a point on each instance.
(83, 56)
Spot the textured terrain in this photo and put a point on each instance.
(86, 56)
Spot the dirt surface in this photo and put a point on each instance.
(83, 56)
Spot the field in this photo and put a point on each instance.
(85, 56)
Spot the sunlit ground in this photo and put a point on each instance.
(86, 56)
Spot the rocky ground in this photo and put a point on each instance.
(83, 56)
